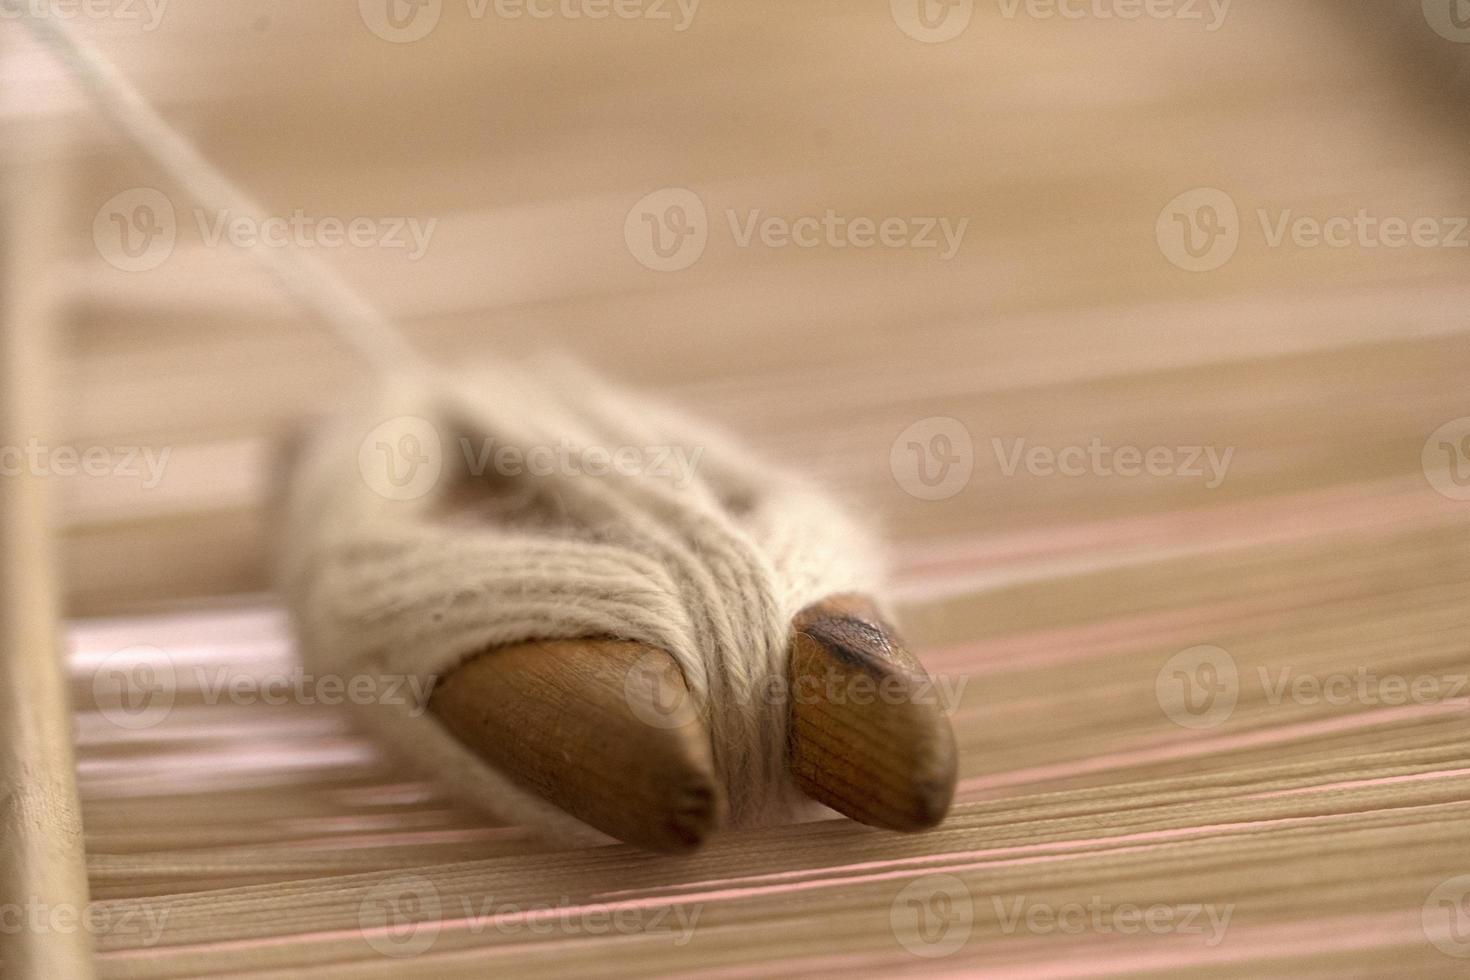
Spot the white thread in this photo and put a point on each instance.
(712, 571)
(357, 323)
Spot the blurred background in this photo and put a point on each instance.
(1140, 327)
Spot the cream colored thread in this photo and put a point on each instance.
(394, 588)
(357, 323)
(382, 587)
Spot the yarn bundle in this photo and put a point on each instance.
(421, 531)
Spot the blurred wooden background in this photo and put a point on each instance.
(1325, 550)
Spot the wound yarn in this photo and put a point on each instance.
(405, 574)
(411, 546)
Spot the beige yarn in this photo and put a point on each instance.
(711, 570)
(390, 586)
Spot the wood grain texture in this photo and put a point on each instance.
(869, 736)
(42, 861)
(603, 729)
(1054, 603)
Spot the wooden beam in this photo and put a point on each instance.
(43, 879)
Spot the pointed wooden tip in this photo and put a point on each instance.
(603, 729)
(869, 736)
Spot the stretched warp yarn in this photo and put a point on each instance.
(401, 561)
